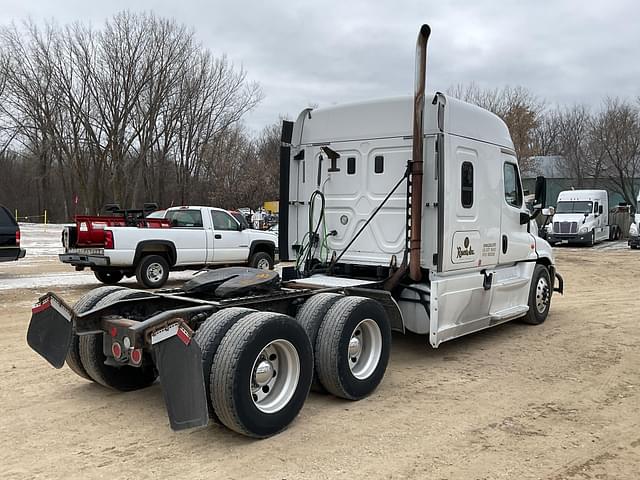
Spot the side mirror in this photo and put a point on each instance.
(549, 212)
(524, 218)
(541, 191)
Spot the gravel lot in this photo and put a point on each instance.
(556, 401)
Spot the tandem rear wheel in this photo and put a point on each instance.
(261, 373)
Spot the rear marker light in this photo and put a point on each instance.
(18, 238)
(116, 350)
(113, 331)
(136, 356)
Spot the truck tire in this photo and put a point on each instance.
(84, 304)
(126, 377)
(310, 316)
(540, 293)
(352, 348)
(208, 336)
(152, 271)
(261, 260)
(261, 374)
(108, 277)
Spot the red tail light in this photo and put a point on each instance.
(136, 356)
(18, 237)
(116, 350)
(108, 239)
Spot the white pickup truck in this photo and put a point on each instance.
(186, 238)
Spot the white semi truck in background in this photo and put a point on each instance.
(582, 217)
(634, 230)
(400, 214)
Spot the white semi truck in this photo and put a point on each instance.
(634, 230)
(400, 214)
(582, 217)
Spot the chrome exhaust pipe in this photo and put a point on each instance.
(417, 156)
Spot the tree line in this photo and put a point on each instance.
(138, 110)
(599, 147)
(131, 112)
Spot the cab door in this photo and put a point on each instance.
(230, 242)
(515, 243)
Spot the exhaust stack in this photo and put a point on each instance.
(417, 156)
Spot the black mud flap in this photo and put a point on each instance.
(560, 287)
(179, 362)
(50, 329)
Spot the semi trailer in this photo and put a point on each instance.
(582, 217)
(401, 215)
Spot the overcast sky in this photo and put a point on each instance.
(334, 51)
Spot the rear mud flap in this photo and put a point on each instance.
(179, 362)
(50, 329)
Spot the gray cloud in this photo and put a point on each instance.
(331, 52)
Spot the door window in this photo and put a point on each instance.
(512, 187)
(466, 187)
(223, 221)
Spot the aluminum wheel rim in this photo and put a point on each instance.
(364, 349)
(263, 264)
(274, 376)
(155, 272)
(542, 295)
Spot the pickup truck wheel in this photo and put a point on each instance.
(353, 346)
(261, 374)
(126, 377)
(84, 304)
(261, 260)
(539, 296)
(208, 336)
(152, 271)
(108, 277)
(310, 316)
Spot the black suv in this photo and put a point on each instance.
(9, 237)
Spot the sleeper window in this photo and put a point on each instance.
(379, 164)
(466, 185)
(351, 165)
(512, 187)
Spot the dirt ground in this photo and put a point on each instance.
(556, 401)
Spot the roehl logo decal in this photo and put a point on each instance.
(467, 251)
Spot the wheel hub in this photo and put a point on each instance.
(365, 349)
(264, 373)
(274, 377)
(542, 295)
(154, 272)
(355, 347)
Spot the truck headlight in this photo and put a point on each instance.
(583, 229)
(633, 230)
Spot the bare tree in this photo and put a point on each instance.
(617, 131)
(520, 109)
